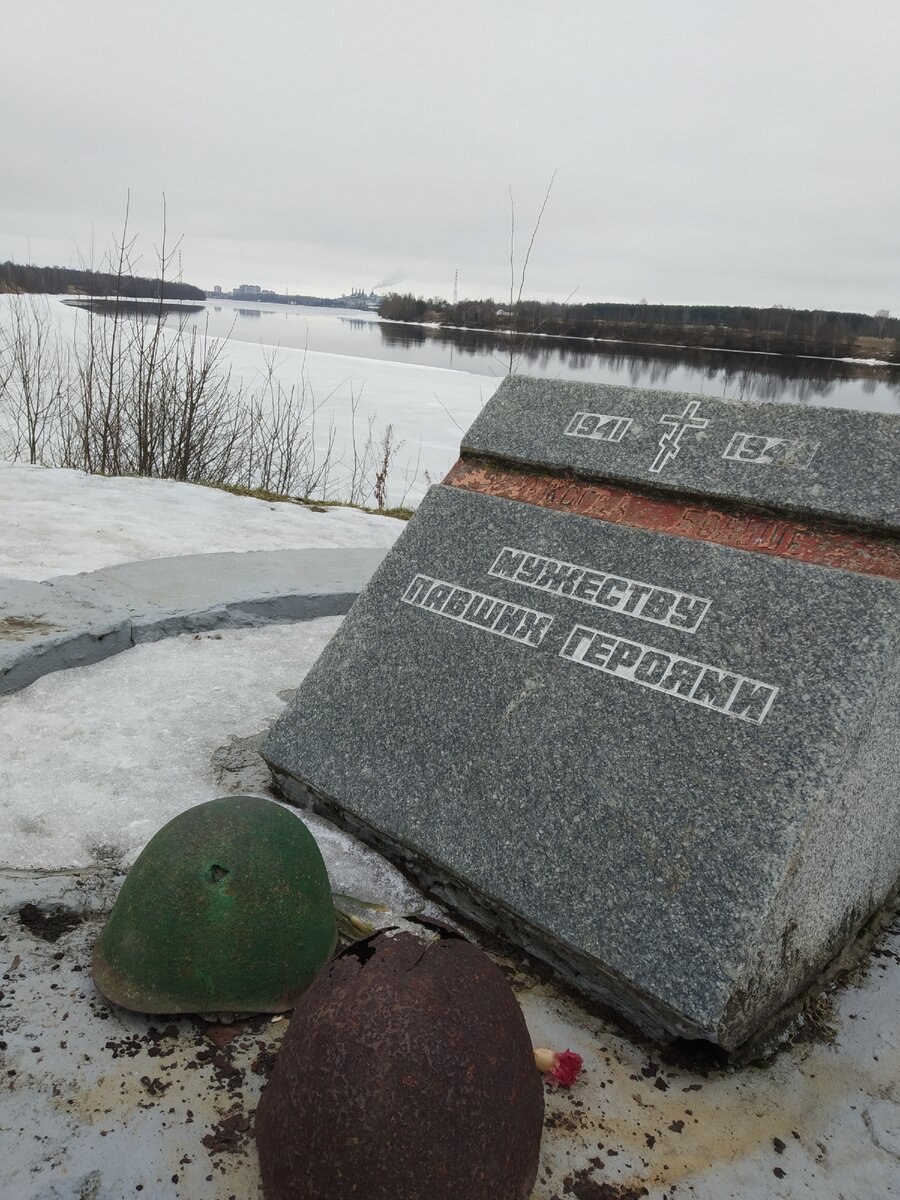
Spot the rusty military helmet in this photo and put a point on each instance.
(407, 1071)
(227, 909)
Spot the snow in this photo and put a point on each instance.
(58, 522)
(682, 1128)
(134, 740)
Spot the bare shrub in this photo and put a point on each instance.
(280, 450)
(131, 395)
(387, 452)
(127, 396)
(34, 379)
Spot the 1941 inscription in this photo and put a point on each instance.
(598, 427)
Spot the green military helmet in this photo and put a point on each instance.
(227, 909)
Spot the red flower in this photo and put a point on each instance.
(567, 1068)
(563, 1068)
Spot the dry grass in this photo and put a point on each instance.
(819, 1015)
(400, 514)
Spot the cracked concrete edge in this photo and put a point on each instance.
(95, 633)
(85, 891)
(243, 614)
(77, 647)
(32, 660)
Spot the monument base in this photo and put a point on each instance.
(615, 995)
(641, 720)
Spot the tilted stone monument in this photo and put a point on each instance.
(627, 690)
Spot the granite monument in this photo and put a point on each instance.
(627, 690)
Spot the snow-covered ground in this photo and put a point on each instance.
(95, 759)
(134, 739)
(56, 522)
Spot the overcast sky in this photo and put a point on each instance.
(706, 151)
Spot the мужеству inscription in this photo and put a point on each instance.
(709, 686)
(645, 601)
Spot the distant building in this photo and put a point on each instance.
(217, 290)
(359, 299)
(246, 291)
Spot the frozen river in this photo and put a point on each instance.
(708, 372)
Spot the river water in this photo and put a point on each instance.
(707, 372)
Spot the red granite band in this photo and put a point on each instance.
(808, 541)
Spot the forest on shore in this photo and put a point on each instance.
(773, 330)
(54, 281)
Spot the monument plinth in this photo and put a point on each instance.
(627, 689)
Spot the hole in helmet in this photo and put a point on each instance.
(217, 873)
(363, 949)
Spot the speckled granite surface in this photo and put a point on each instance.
(828, 462)
(668, 767)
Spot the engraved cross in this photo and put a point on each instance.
(670, 442)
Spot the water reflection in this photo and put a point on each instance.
(735, 375)
(124, 306)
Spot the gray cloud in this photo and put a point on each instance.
(705, 152)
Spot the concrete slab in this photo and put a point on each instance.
(41, 631)
(75, 620)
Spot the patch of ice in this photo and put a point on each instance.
(869, 362)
